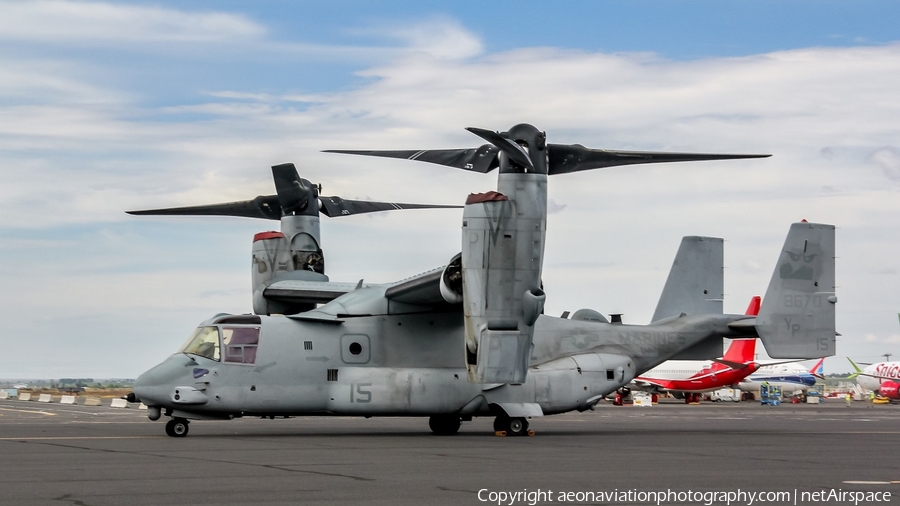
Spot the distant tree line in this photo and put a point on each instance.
(74, 382)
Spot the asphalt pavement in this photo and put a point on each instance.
(92, 456)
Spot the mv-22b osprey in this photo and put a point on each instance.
(470, 338)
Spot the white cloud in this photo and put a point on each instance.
(61, 21)
(81, 150)
(889, 160)
(440, 38)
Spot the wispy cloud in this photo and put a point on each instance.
(888, 158)
(96, 22)
(79, 148)
(441, 38)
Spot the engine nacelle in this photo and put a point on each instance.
(276, 259)
(451, 281)
(890, 389)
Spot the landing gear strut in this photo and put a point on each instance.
(177, 427)
(516, 426)
(444, 425)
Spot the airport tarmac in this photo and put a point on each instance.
(94, 456)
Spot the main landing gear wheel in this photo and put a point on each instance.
(517, 426)
(177, 427)
(444, 425)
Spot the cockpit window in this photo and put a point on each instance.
(204, 342)
(240, 344)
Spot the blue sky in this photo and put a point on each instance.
(113, 106)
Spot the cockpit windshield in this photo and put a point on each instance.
(204, 342)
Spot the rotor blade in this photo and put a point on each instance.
(292, 193)
(515, 152)
(336, 206)
(482, 159)
(565, 158)
(264, 206)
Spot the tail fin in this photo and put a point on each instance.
(695, 284)
(858, 370)
(741, 351)
(818, 370)
(753, 308)
(796, 319)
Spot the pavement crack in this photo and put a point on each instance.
(339, 475)
(195, 459)
(448, 489)
(67, 498)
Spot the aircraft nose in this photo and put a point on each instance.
(153, 386)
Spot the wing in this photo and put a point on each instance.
(417, 294)
(421, 289)
(311, 292)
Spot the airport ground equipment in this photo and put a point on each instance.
(769, 395)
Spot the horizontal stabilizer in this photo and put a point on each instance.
(797, 317)
(743, 325)
(734, 365)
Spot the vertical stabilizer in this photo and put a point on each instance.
(696, 283)
(796, 319)
(741, 351)
(753, 307)
(855, 368)
(818, 370)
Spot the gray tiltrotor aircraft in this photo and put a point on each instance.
(470, 338)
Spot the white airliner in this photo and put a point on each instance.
(693, 377)
(883, 378)
(792, 378)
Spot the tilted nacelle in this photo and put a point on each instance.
(277, 258)
(501, 265)
(451, 284)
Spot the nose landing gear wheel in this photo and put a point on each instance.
(177, 427)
